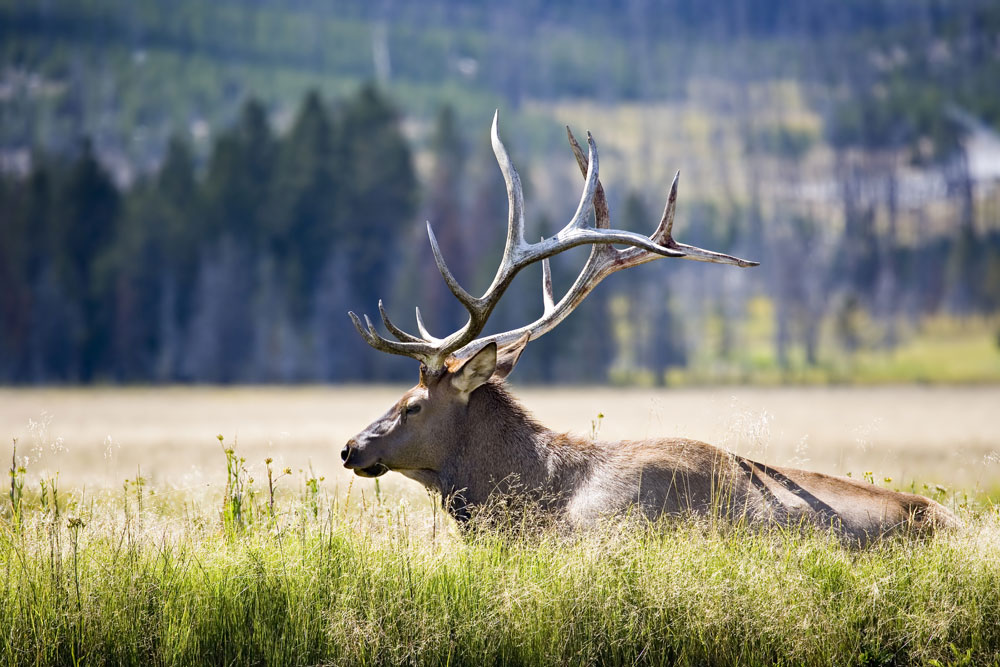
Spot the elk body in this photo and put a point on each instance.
(459, 431)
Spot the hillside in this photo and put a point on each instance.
(849, 146)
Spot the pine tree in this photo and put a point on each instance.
(153, 259)
(334, 345)
(219, 338)
(238, 178)
(56, 323)
(445, 211)
(303, 217)
(379, 199)
(22, 250)
(660, 335)
(178, 200)
(276, 351)
(84, 217)
(381, 188)
(182, 229)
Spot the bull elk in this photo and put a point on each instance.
(460, 432)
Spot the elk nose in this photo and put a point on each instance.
(345, 453)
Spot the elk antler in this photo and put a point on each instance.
(518, 253)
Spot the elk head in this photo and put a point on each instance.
(421, 430)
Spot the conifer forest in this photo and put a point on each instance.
(199, 192)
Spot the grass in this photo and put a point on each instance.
(942, 350)
(158, 576)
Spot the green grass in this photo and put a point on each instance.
(156, 576)
(939, 350)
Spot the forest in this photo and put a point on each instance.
(199, 193)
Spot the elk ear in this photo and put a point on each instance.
(476, 371)
(508, 356)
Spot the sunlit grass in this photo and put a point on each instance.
(941, 350)
(335, 571)
(140, 575)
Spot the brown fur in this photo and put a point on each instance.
(489, 447)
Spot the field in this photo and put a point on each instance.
(145, 549)
(98, 437)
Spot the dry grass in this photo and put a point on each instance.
(129, 578)
(941, 435)
(172, 571)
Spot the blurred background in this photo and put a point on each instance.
(198, 192)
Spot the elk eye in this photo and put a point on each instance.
(413, 409)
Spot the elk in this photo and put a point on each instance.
(459, 432)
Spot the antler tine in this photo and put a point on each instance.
(361, 329)
(423, 329)
(515, 196)
(370, 336)
(578, 232)
(394, 330)
(467, 299)
(371, 327)
(547, 299)
(663, 235)
(602, 216)
(591, 179)
(664, 230)
(701, 255)
(422, 350)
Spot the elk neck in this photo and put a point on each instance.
(501, 449)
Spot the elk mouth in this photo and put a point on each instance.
(376, 470)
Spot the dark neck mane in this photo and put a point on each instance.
(505, 450)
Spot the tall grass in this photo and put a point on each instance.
(154, 576)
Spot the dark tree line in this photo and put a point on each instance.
(241, 273)
(241, 267)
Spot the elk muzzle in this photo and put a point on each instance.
(353, 457)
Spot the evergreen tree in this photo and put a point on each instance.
(22, 235)
(276, 351)
(659, 335)
(153, 259)
(12, 298)
(182, 229)
(56, 322)
(381, 188)
(303, 218)
(130, 268)
(445, 211)
(84, 217)
(238, 178)
(334, 345)
(179, 205)
(220, 336)
(379, 202)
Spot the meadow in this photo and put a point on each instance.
(133, 535)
